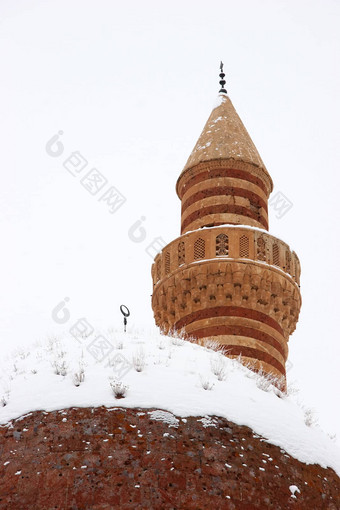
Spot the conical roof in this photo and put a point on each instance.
(224, 137)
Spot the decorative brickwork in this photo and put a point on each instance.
(181, 253)
(199, 249)
(233, 283)
(239, 303)
(222, 245)
(255, 244)
(212, 193)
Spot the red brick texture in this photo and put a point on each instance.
(223, 209)
(124, 459)
(221, 172)
(225, 190)
(210, 331)
(228, 311)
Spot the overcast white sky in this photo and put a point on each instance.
(131, 86)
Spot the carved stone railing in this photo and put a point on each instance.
(227, 242)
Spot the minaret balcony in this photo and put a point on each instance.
(236, 285)
(226, 242)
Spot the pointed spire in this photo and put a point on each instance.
(224, 137)
(222, 80)
(225, 141)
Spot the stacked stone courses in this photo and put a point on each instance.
(225, 278)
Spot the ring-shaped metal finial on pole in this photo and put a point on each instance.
(126, 312)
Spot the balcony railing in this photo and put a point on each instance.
(222, 243)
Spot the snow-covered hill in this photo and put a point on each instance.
(162, 373)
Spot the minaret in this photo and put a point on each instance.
(225, 278)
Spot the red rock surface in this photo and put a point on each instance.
(124, 458)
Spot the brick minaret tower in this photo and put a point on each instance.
(225, 278)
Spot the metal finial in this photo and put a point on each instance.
(222, 80)
(126, 312)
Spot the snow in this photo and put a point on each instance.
(164, 416)
(219, 100)
(293, 489)
(216, 120)
(170, 385)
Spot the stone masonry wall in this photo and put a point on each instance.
(135, 458)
